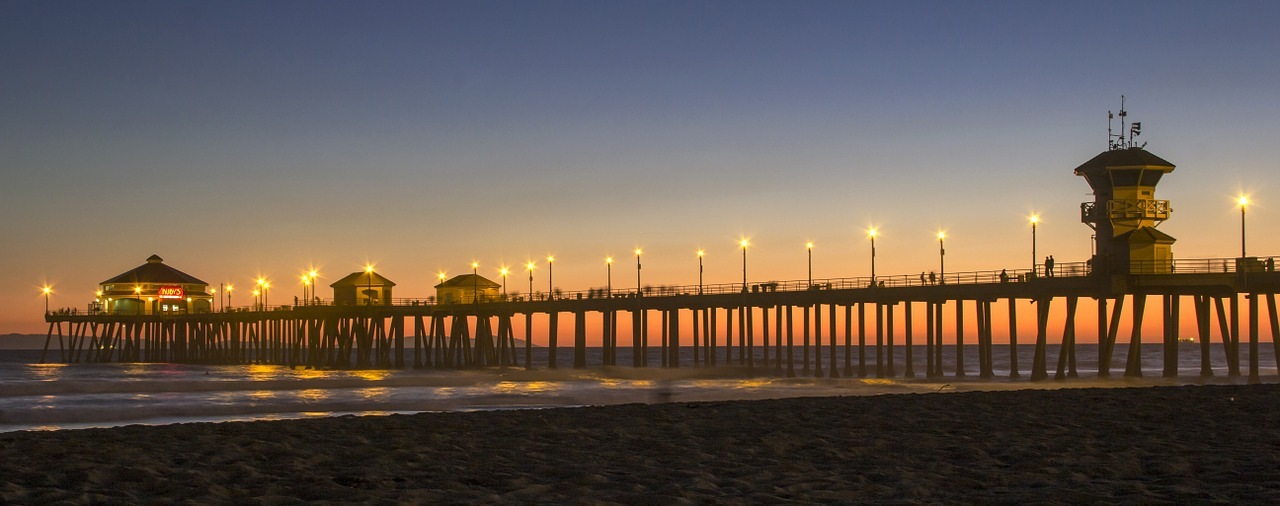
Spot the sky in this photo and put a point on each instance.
(238, 139)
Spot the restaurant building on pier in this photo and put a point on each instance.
(154, 288)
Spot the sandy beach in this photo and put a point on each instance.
(1196, 444)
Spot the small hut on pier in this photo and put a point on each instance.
(467, 289)
(154, 288)
(362, 288)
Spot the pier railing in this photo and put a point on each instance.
(922, 279)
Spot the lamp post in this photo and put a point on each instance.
(368, 289)
(942, 259)
(504, 272)
(638, 292)
(608, 287)
(1035, 219)
(137, 294)
(228, 302)
(475, 282)
(528, 266)
(259, 294)
(872, 234)
(809, 246)
(46, 291)
(700, 255)
(305, 282)
(551, 260)
(1244, 202)
(266, 294)
(99, 300)
(313, 275)
(212, 302)
(744, 243)
(440, 276)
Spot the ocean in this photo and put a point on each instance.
(35, 396)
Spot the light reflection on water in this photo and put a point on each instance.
(374, 394)
(51, 396)
(314, 394)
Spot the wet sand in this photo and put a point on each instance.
(1194, 444)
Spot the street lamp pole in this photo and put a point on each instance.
(475, 282)
(608, 262)
(314, 275)
(700, 254)
(809, 246)
(942, 259)
(529, 267)
(368, 293)
(1034, 220)
(46, 290)
(505, 271)
(550, 285)
(744, 244)
(1244, 202)
(638, 292)
(872, 234)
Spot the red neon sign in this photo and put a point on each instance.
(171, 292)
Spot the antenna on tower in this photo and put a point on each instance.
(1120, 141)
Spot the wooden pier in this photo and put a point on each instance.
(865, 327)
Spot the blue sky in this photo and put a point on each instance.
(237, 138)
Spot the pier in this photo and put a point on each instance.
(864, 328)
(843, 327)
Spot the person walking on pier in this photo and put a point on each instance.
(922, 281)
(933, 279)
(1048, 266)
(1004, 275)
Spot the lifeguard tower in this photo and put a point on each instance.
(1125, 213)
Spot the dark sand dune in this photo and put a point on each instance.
(1168, 445)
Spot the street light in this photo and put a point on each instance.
(228, 302)
(313, 275)
(638, 293)
(1034, 220)
(744, 243)
(440, 276)
(700, 254)
(872, 234)
(475, 282)
(550, 261)
(368, 289)
(137, 293)
(262, 303)
(608, 262)
(809, 246)
(529, 267)
(1244, 202)
(306, 281)
(46, 290)
(942, 260)
(504, 272)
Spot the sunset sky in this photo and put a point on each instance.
(244, 138)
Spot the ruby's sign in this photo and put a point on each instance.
(171, 292)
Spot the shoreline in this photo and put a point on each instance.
(1070, 445)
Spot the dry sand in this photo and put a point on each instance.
(1199, 444)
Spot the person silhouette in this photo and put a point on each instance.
(1048, 266)
(922, 277)
(1004, 275)
(933, 279)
